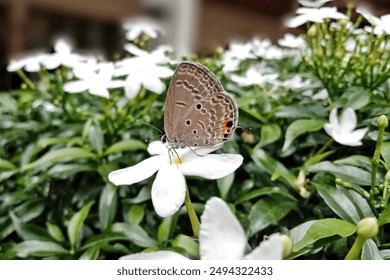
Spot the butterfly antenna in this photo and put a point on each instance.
(152, 126)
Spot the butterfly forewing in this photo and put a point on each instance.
(198, 112)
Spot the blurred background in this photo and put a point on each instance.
(191, 25)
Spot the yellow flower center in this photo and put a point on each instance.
(177, 160)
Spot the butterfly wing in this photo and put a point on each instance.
(198, 112)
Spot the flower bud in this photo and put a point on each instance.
(312, 31)
(287, 245)
(383, 121)
(367, 228)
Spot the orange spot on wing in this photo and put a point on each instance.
(225, 127)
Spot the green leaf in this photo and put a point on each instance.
(272, 166)
(108, 204)
(268, 211)
(188, 244)
(6, 165)
(354, 97)
(325, 228)
(91, 254)
(95, 137)
(269, 134)
(35, 248)
(99, 240)
(370, 251)
(55, 232)
(125, 145)
(76, 222)
(164, 230)
(299, 127)
(385, 152)
(262, 192)
(136, 214)
(384, 217)
(60, 155)
(224, 185)
(348, 173)
(355, 160)
(135, 234)
(301, 111)
(348, 205)
(28, 231)
(143, 195)
(317, 158)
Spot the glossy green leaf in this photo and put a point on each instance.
(325, 228)
(136, 214)
(6, 165)
(55, 232)
(272, 166)
(99, 240)
(91, 254)
(35, 248)
(28, 231)
(262, 192)
(354, 97)
(126, 145)
(60, 155)
(95, 137)
(224, 184)
(164, 230)
(370, 251)
(188, 244)
(348, 173)
(348, 205)
(299, 127)
(385, 152)
(269, 134)
(135, 234)
(108, 204)
(268, 211)
(76, 223)
(384, 217)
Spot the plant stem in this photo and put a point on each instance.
(25, 79)
(356, 248)
(383, 123)
(191, 214)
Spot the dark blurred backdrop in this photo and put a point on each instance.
(192, 25)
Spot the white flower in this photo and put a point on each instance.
(255, 75)
(314, 15)
(313, 3)
(221, 237)
(136, 27)
(343, 130)
(295, 82)
(381, 24)
(97, 83)
(169, 187)
(30, 62)
(291, 41)
(63, 56)
(239, 51)
(143, 70)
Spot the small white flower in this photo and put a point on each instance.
(169, 187)
(240, 51)
(143, 70)
(255, 75)
(291, 41)
(221, 237)
(295, 82)
(313, 3)
(343, 130)
(30, 62)
(314, 15)
(138, 26)
(63, 56)
(97, 83)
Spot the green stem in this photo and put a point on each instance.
(191, 214)
(326, 145)
(25, 79)
(383, 123)
(356, 248)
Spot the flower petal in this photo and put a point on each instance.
(138, 172)
(333, 118)
(76, 86)
(158, 255)
(213, 166)
(221, 236)
(168, 190)
(153, 83)
(132, 87)
(270, 249)
(157, 148)
(348, 120)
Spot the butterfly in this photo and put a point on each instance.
(198, 112)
